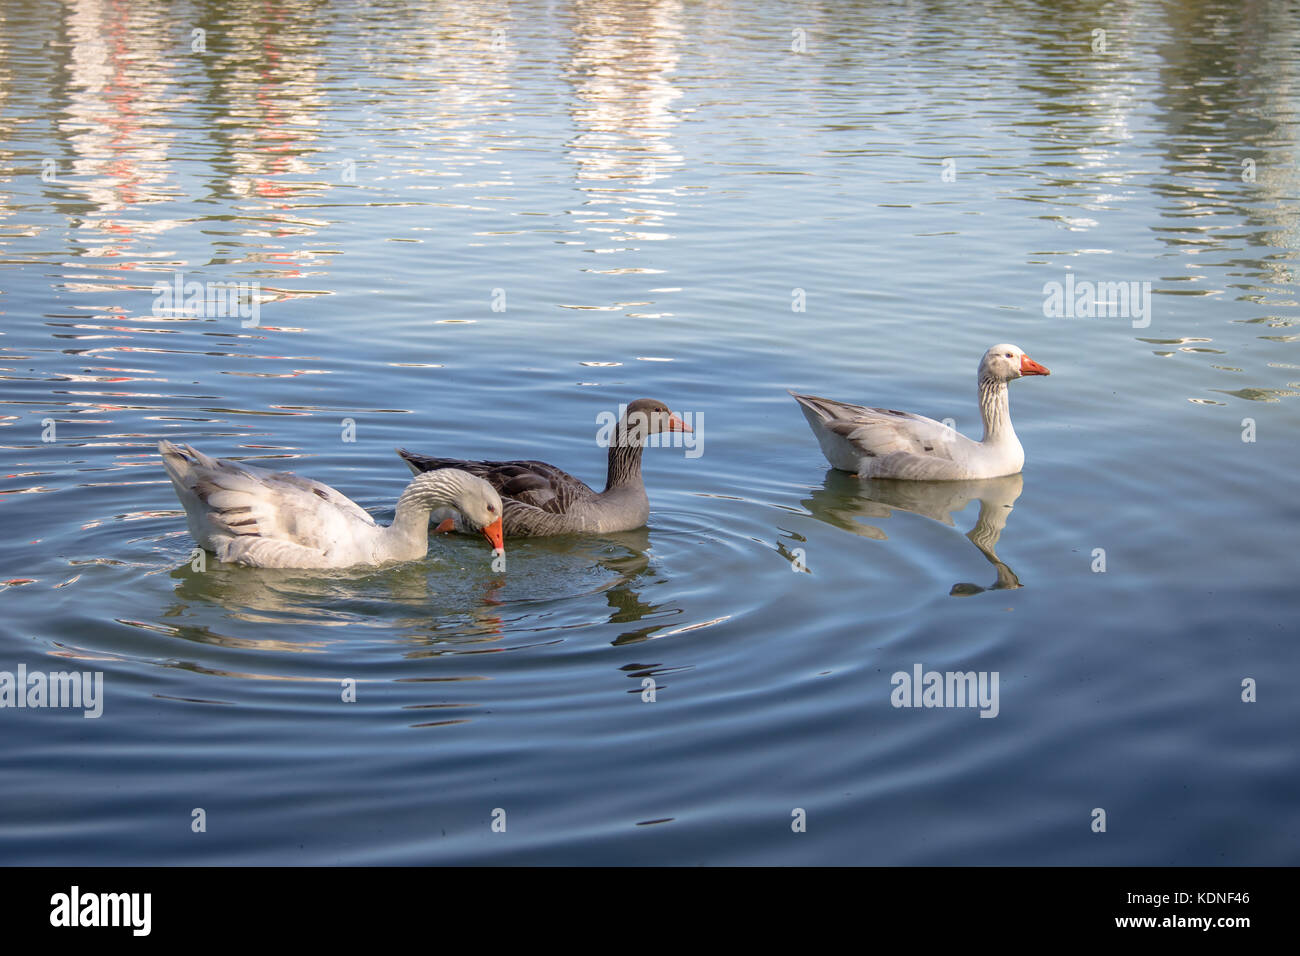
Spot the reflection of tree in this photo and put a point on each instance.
(117, 79)
(1219, 79)
(843, 500)
(620, 67)
(1224, 81)
(622, 59)
(263, 71)
(128, 87)
(8, 125)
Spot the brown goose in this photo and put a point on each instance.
(540, 499)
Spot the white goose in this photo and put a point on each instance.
(884, 443)
(266, 519)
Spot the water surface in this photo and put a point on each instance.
(476, 227)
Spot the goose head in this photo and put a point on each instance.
(646, 417)
(481, 506)
(473, 497)
(1002, 363)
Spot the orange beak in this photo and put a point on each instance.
(675, 424)
(494, 534)
(1029, 367)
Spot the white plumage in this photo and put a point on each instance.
(248, 515)
(886, 443)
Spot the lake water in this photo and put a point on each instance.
(473, 228)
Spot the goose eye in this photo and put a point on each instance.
(492, 509)
(1008, 355)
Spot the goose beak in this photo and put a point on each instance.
(494, 534)
(1029, 367)
(675, 424)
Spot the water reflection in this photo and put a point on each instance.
(443, 600)
(623, 596)
(408, 596)
(843, 501)
(117, 82)
(622, 61)
(1228, 139)
(621, 65)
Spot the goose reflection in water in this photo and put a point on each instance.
(326, 599)
(626, 556)
(437, 602)
(844, 500)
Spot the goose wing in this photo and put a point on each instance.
(283, 516)
(849, 433)
(532, 483)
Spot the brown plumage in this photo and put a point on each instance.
(541, 499)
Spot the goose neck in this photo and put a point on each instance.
(624, 461)
(428, 490)
(995, 411)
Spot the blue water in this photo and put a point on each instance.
(474, 228)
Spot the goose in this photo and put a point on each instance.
(885, 443)
(265, 519)
(540, 499)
